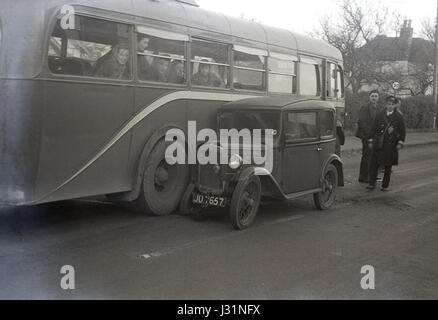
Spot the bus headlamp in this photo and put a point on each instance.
(235, 162)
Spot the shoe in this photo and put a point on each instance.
(384, 189)
(371, 187)
(363, 181)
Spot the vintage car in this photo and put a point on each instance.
(303, 157)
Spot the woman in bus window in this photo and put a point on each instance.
(116, 67)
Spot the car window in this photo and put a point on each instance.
(301, 126)
(327, 124)
(249, 120)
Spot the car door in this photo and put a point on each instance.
(301, 159)
(327, 127)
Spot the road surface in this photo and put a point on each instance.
(292, 252)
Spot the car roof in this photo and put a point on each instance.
(278, 103)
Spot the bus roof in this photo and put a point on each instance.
(19, 38)
(182, 14)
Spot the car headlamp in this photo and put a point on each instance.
(235, 162)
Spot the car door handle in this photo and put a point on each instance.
(320, 149)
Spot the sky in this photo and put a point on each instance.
(303, 16)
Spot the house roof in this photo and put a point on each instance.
(384, 48)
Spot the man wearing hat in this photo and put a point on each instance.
(367, 115)
(387, 137)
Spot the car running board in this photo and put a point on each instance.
(296, 195)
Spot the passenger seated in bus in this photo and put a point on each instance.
(176, 73)
(160, 69)
(116, 67)
(144, 63)
(205, 77)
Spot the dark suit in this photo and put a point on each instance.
(367, 115)
(393, 130)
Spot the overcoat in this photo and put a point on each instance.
(393, 129)
(367, 115)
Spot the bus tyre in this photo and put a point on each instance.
(245, 202)
(163, 184)
(325, 199)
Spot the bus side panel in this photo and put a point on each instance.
(20, 110)
(175, 113)
(79, 119)
(102, 177)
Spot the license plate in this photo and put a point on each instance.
(209, 201)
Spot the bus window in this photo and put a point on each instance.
(282, 74)
(310, 83)
(249, 68)
(95, 48)
(332, 76)
(161, 56)
(210, 65)
(340, 84)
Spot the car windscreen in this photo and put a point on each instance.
(249, 119)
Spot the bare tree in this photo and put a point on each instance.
(428, 30)
(421, 76)
(358, 23)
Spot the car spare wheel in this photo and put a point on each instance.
(325, 199)
(245, 202)
(163, 185)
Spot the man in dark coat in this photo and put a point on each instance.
(367, 115)
(387, 137)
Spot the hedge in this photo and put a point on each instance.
(418, 111)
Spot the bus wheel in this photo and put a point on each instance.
(325, 199)
(163, 184)
(245, 202)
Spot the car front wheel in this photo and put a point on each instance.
(245, 202)
(327, 196)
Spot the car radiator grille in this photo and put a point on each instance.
(209, 180)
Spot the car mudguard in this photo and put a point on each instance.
(269, 183)
(338, 163)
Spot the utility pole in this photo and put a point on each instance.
(435, 78)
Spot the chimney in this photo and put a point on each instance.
(405, 42)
